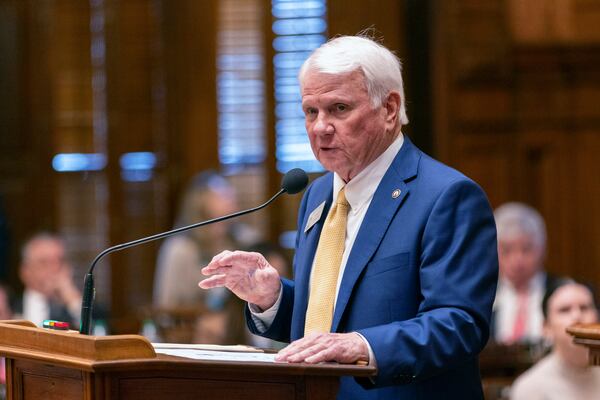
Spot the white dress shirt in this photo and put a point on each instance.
(506, 307)
(359, 193)
(35, 307)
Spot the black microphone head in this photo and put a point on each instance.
(294, 181)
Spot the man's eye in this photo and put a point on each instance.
(341, 107)
(310, 111)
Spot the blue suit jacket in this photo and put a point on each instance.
(419, 283)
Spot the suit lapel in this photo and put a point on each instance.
(381, 211)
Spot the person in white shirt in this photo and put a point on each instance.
(517, 314)
(565, 373)
(49, 291)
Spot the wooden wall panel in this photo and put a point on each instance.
(348, 17)
(189, 31)
(543, 181)
(136, 110)
(552, 21)
(26, 182)
(516, 109)
(80, 209)
(491, 151)
(161, 98)
(584, 190)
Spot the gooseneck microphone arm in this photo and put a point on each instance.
(293, 182)
(88, 286)
(161, 235)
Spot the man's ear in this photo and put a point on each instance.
(392, 106)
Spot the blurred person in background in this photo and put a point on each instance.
(5, 302)
(565, 373)
(209, 195)
(49, 291)
(517, 315)
(4, 242)
(5, 313)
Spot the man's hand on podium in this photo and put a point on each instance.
(344, 348)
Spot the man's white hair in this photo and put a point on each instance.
(520, 219)
(345, 54)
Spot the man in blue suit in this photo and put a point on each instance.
(417, 269)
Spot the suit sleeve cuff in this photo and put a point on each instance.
(264, 319)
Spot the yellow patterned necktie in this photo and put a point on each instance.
(328, 258)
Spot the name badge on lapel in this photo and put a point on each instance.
(314, 216)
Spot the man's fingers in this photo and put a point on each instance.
(343, 348)
(325, 354)
(284, 353)
(240, 259)
(222, 270)
(213, 282)
(216, 262)
(297, 347)
(310, 351)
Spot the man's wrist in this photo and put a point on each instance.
(264, 306)
(264, 319)
(370, 355)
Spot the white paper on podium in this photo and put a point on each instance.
(214, 352)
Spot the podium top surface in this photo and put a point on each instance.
(23, 340)
(585, 331)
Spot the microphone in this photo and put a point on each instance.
(294, 181)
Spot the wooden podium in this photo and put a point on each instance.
(46, 364)
(588, 335)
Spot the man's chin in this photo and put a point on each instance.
(334, 168)
(333, 164)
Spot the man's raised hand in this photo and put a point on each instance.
(248, 275)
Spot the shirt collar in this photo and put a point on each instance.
(361, 188)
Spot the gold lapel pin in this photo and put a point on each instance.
(395, 194)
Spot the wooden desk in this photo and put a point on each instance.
(54, 365)
(588, 335)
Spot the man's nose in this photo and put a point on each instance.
(322, 125)
(518, 259)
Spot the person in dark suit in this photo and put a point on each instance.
(49, 291)
(408, 281)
